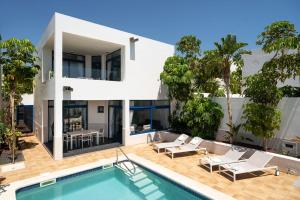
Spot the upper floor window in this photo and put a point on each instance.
(73, 65)
(96, 67)
(113, 66)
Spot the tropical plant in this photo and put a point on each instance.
(2, 132)
(262, 117)
(281, 39)
(203, 116)
(10, 138)
(232, 134)
(178, 78)
(19, 69)
(290, 91)
(262, 88)
(236, 81)
(227, 53)
(189, 46)
(261, 120)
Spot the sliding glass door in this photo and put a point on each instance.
(113, 66)
(73, 65)
(96, 67)
(75, 115)
(115, 121)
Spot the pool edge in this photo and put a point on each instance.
(179, 179)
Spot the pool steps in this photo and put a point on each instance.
(141, 181)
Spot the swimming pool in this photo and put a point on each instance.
(111, 183)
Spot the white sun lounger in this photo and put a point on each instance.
(192, 146)
(257, 162)
(179, 141)
(231, 156)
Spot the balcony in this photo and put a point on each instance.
(84, 58)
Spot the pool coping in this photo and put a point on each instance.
(10, 193)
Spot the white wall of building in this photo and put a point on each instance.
(140, 73)
(27, 99)
(98, 119)
(254, 62)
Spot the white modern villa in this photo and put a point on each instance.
(98, 87)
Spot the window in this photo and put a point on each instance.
(113, 66)
(75, 115)
(146, 116)
(73, 65)
(96, 67)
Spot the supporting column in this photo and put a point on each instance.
(58, 96)
(126, 125)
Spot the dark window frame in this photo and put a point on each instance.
(69, 60)
(112, 57)
(151, 108)
(72, 60)
(66, 105)
(93, 67)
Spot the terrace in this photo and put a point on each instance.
(258, 186)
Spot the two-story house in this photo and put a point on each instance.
(98, 87)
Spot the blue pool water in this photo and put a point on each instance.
(110, 184)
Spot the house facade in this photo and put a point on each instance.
(95, 78)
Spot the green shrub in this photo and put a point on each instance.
(203, 116)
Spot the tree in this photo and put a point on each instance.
(19, 69)
(186, 76)
(178, 77)
(262, 117)
(203, 116)
(281, 39)
(236, 81)
(228, 52)
(261, 120)
(261, 113)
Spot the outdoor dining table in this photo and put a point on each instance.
(82, 133)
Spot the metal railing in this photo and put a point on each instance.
(127, 159)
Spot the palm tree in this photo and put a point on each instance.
(229, 52)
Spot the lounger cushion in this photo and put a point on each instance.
(195, 141)
(181, 137)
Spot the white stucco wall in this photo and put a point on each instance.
(254, 62)
(98, 119)
(140, 79)
(27, 99)
(289, 127)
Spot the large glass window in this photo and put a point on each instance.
(146, 116)
(96, 67)
(115, 121)
(73, 65)
(75, 115)
(113, 66)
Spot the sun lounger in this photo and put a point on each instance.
(257, 162)
(179, 141)
(192, 146)
(231, 156)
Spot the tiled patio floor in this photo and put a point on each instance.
(266, 186)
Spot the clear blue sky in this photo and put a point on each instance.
(163, 20)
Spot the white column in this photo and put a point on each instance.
(44, 128)
(58, 96)
(126, 125)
